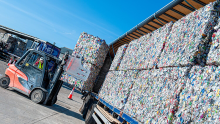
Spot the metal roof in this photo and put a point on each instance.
(173, 11)
(20, 34)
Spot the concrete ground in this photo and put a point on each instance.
(16, 108)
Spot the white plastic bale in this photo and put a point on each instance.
(144, 52)
(151, 49)
(199, 99)
(118, 57)
(117, 86)
(130, 56)
(110, 86)
(124, 88)
(93, 49)
(153, 96)
(187, 40)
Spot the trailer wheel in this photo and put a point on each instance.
(89, 119)
(4, 82)
(38, 96)
(85, 101)
(87, 106)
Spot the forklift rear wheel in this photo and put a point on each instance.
(4, 82)
(38, 96)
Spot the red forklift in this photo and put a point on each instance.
(41, 84)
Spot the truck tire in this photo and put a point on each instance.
(4, 82)
(54, 100)
(84, 104)
(87, 106)
(89, 119)
(38, 96)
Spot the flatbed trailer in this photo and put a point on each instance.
(97, 110)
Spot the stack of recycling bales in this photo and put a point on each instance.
(118, 84)
(118, 57)
(199, 99)
(94, 51)
(168, 94)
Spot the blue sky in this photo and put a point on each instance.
(62, 21)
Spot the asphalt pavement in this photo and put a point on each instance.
(16, 108)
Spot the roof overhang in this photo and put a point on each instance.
(173, 11)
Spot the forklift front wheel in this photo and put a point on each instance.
(38, 96)
(4, 82)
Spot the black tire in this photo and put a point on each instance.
(4, 82)
(85, 101)
(38, 96)
(89, 119)
(87, 106)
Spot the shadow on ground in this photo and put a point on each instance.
(59, 107)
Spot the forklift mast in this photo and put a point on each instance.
(55, 84)
(71, 65)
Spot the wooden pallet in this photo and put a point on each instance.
(108, 116)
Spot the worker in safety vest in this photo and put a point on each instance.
(40, 63)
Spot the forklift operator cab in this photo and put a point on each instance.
(32, 79)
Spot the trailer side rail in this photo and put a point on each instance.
(115, 110)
